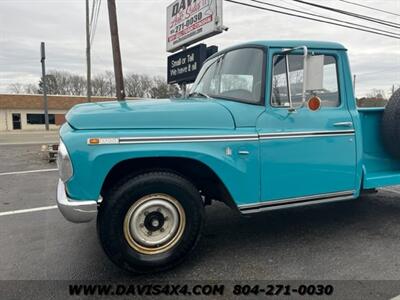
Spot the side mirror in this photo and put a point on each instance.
(314, 73)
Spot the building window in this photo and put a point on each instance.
(38, 119)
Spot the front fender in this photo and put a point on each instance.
(240, 173)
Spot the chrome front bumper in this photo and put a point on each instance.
(74, 210)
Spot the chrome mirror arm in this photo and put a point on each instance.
(291, 108)
(305, 69)
(305, 63)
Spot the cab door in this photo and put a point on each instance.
(306, 155)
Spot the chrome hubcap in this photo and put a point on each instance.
(154, 223)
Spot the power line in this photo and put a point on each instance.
(312, 19)
(92, 13)
(348, 13)
(352, 14)
(369, 7)
(324, 17)
(93, 32)
(380, 71)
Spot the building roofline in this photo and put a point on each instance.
(61, 96)
(55, 102)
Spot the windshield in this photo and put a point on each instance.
(236, 75)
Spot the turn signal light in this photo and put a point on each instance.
(94, 141)
(314, 103)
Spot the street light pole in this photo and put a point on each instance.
(119, 78)
(44, 85)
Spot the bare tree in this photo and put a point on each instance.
(111, 83)
(161, 89)
(100, 85)
(61, 78)
(66, 83)
(377, 94)
(16, 88)
(77, 85)
(138, 85)
(31, 88)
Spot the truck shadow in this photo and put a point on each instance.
(230, 239)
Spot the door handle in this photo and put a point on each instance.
(343, 124)
(244, 152)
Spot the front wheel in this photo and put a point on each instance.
(150, 222)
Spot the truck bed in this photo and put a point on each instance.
(380, 169)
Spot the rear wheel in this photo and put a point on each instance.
(391, 125)
(150, 222)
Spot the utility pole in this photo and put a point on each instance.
(354, 84)
(88, 62)
(44, 86)
(119, 78)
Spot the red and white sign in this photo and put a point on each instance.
(189, 21)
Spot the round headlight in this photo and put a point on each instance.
(64, 163)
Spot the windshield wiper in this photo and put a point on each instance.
(199, 94)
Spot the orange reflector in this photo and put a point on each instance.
(314, 103)
(94, 141)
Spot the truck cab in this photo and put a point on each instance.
(267, 125)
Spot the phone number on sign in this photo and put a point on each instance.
(189, 22)
(285, 290)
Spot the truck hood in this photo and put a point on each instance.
(151, 114)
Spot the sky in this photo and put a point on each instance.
(61, 24)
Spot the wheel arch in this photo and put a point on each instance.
(200, 174)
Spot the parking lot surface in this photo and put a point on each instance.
(28, 137)
(350, 240)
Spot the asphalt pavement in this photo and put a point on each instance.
(349, 240)
(28, 137)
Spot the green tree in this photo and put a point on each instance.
(51, 84)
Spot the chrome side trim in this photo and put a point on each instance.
(303, 134)
(217, 138)
(188, 139)
(295, 202)
(177, 139)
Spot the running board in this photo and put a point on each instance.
(296, 202)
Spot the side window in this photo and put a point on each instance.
(327, 91)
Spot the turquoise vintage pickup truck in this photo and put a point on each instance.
(267, 125)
